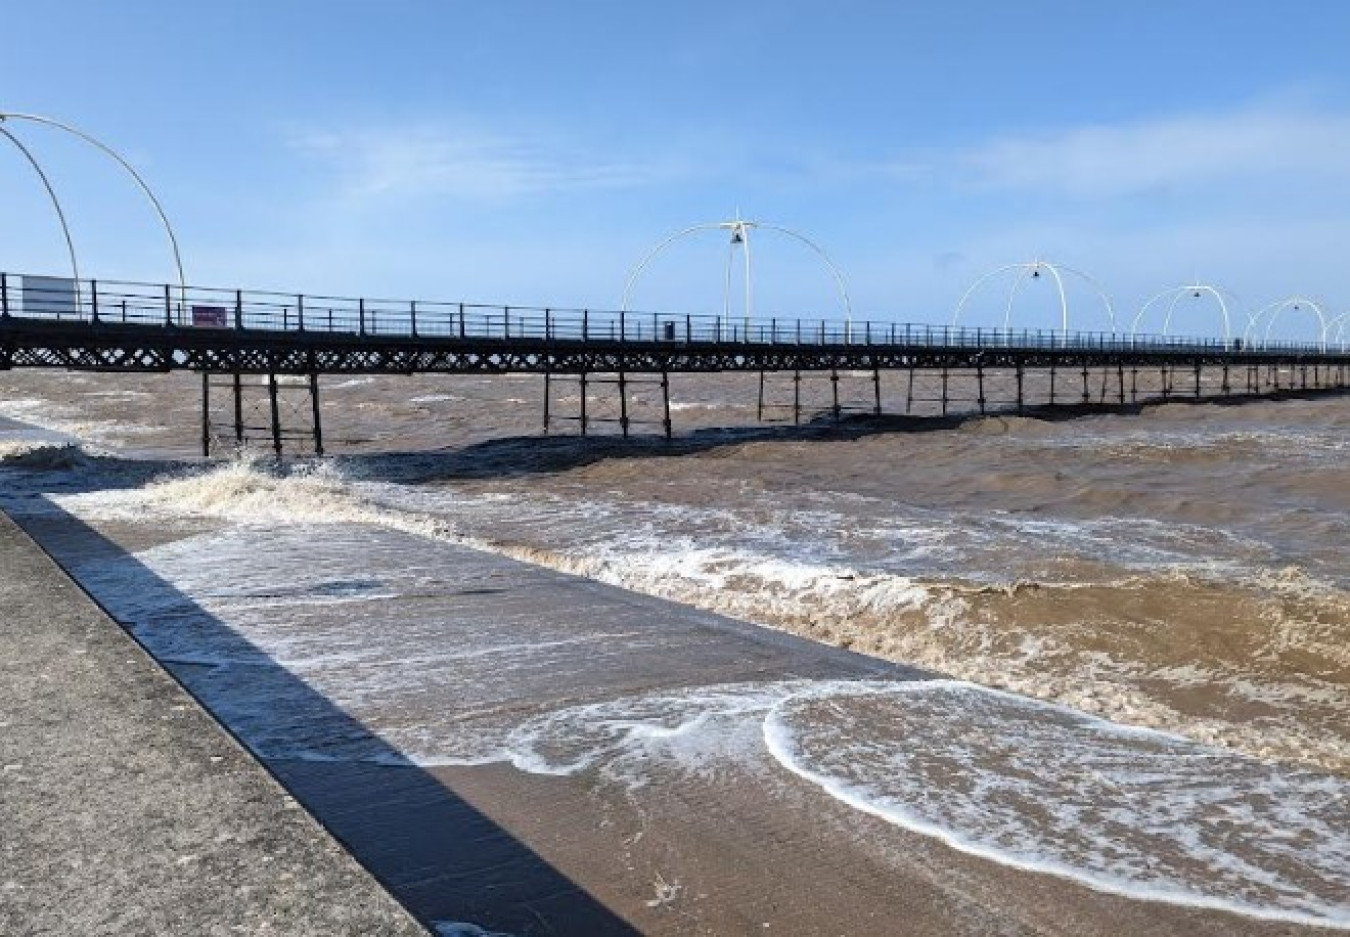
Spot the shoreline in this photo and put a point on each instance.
(679, 850)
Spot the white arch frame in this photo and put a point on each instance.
(740, 234)
(1274, 309)
(1338, 323)
(1178, 293)
(1032, 270)
(131, 170)
(56, 204)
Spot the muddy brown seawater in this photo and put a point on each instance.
(1174, 577)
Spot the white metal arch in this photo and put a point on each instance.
(1176, 294)
(1272, 312)
(131, 171)
(1338, 323)
(740, 229)
(56, 204)
(1032, 270)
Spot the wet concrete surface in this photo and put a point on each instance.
(126, 809)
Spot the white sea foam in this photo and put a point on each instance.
(1035, 786)
(68, 421)
(1049, 789)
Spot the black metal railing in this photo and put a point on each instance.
(191, 307)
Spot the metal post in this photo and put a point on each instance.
(206, 414)
(238, 309)
(909, 392)
(759, 410)
(361, 317)
(412, 317)
(796, 397)
(1120, 382)
(1224, 387)
(1134, 384)
(276, 412)
(944, 390)
(548, 389)
(93, 301)
(1087, 394)
(1198, 367)
(834, 389)
(238, 409)
(4, 295)
(979, 382)
(1052, 384)
(876, 388)
(665, 401)
(300, 312)
(583, 403)
(1020, 368)
(168, 306)
(623, 395)
(314, 404)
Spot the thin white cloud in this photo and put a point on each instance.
(1105, 161)
(463, 163)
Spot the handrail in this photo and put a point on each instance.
(176, 307)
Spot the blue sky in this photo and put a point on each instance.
(532, 153)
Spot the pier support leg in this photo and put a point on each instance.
(623, 404)
(1020, 371)
(979, 384)
(1120, 383)
(1166, 383)
(1225, 388)
(834, 393)
(759, 410)
(1052, 385)
(1134, 384)
(548, 393)
(665, 402)
(1087, 394)
(238, 410)
(583, 403)
(314, 407)
(276, 412)
(206, 414)
(909, 392)
(944, 390)
(796, 398)
(1197, 380)
(876, 390)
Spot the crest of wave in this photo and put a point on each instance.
(929, 624)
(258, 491)
(41, 455)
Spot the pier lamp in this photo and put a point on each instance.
(1176, 294)
(739, 230)
(1031, 270)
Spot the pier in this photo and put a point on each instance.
(291, 341)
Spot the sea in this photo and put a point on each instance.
(1132, 628)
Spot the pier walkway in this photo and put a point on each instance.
(226, 334)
